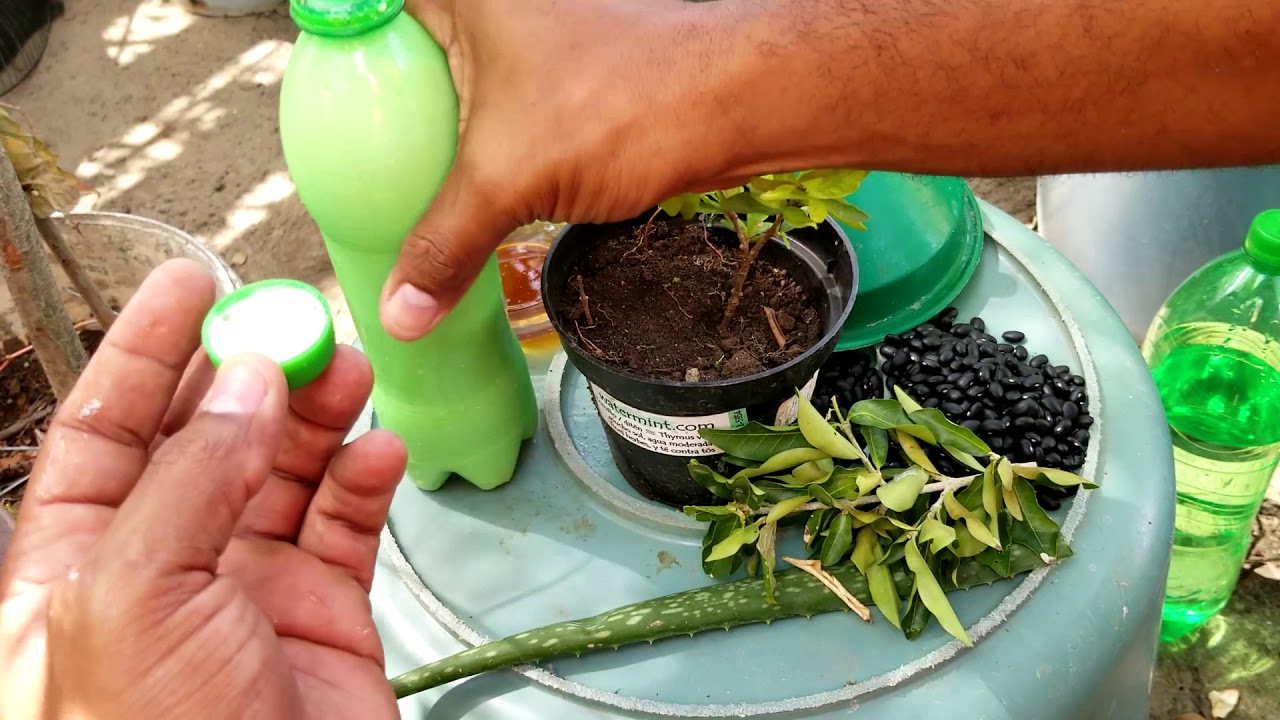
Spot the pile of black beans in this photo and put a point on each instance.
(1023, 406)
(847, 378)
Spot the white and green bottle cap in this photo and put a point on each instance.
(285, 320)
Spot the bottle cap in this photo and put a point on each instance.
(343, 18)
(1262, 244)
(285, 320)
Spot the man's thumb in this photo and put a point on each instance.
(440, 260)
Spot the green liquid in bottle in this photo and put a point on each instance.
(1223, 406)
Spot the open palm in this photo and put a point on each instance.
(198, 547)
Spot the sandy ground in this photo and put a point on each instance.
(173, 117)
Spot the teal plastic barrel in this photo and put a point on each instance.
(567, 538)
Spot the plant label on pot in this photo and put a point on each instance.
(668, 435)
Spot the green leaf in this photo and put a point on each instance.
(755, 441)
(785, 508)
(1011, 503)
(948, 433)
(785, 460)
(1005, 470)
(964, 458)
(938, 534)
(821, 435)
(845, 483)
(849, 215)
(972, 522)
(832, 184)
(877, 444)
(1037, 530)
(966, 544)
(817, 492)
(817, 471)
(908, 404)
(991, 500)
(765, 547)
(900, 493)
(917, 616)
(719, 530)
(729, 546)
(999, 560)
(745, 203)
(884, 594)
(707, 513)
(795, 217)
(776, 492)
(816, 210)
(880, 413)
(932, 595)
(1061, 478)
(913, 451)
(839, 540)
(868, 482)
(815, 525)
(710, 479)
(866, 550)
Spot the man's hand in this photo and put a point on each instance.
(557, 122)
(193, 546)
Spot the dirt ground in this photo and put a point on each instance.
(173, 117)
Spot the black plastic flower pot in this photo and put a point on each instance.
(652, 424)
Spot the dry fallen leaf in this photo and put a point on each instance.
(1222, 702)
(49, 188)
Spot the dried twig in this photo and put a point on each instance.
(35, 294)
(648, 226)
(26, 422)
(773, 325)
(677, 302)
(98, 304)
(18, 448)
(586, 306)
(814, 568)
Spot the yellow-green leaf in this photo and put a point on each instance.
(900, 493)
(1011, 503)
(784, 508)
(972, 522)
(731, 545)
(937, 534)
(991, 500)
(931, 594)
(884, 594)
(1006, 473)
(817, 471)
(819, 433)
(907, 402)
(784, 460)
(914, 451)
(866, 549)
(1061, 478)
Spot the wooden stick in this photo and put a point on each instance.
(98, 304)
(25, 422)
(35, 294)
(773, 325)
(586, 307)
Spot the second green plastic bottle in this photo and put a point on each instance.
(369, 122)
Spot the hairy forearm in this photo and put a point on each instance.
(996, 87)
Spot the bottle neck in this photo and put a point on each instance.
(1261, 265)
(339, 19)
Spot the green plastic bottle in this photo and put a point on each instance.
(369, 123)
(1214, 350)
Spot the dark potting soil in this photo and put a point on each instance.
(26, 407)
(654, 301)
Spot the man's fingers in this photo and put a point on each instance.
(320, 417)
(195, 384)
(440, 259)
(98, 443)
(345, 518)
(182, 513)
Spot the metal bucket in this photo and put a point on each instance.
(1137, 236)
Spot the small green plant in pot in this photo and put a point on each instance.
(706, 312)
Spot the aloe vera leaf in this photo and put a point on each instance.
(719, 606)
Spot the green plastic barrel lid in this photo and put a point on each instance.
(920, 249)
(343, 18)
(285, 320)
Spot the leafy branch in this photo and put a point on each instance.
(862, 486)
(770, 206)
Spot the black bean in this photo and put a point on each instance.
(1050, 504)
(1025, 421)
(974, 391)
(998, 443)
(1025, 447)
(900, 359)
(917, 377)
(957, 364)
(1012, 395)
(989, 414)
(952, 409)
(954, 395)
(1024, 407)
(965, 380)
(887, 351)
(931, 362)
(1070, 410)
(1081, 435)
(1014, 336)
(995, 389)
(935, 379)
(931, 341)
(971, 425)
(930, 403)
(1039, 361)
(961, 330)
(1048, 443)
(992, 426)
(984, 375)
(946, 356)
(1063, 428)
(1076, 380)
(1052, 459)
(978, 324)
(1004, 348)
(1052, 404)
(1043, 425)
(1020, 353)
(1084, 421)
(1035, 381)
(974, 411)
